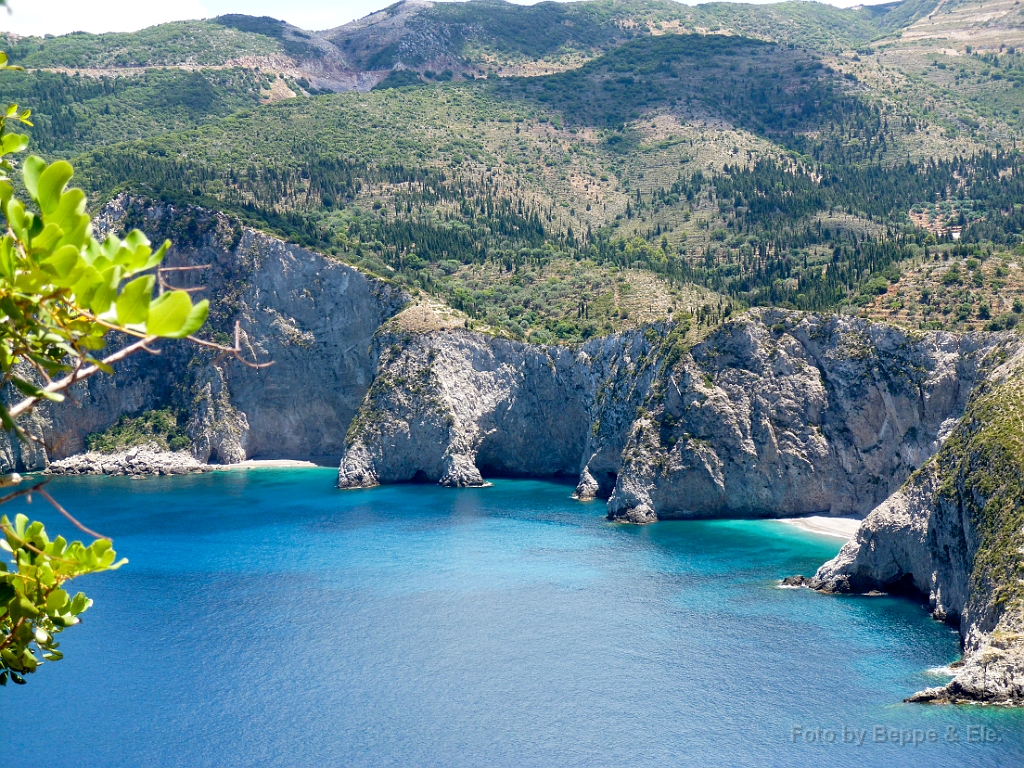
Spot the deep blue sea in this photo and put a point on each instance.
(268, 619)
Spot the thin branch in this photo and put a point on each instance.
(163, 284)
(170, 287)
(235, 351)
(38, 488)
(142, 345)
(22, 492)
(80, 375)
(41, 370)
(68, 515)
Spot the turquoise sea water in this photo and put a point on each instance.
(268, 619)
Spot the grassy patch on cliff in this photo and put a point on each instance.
(159, 427)
(951, 287)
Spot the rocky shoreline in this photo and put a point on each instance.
(136, 462)
(773, 414)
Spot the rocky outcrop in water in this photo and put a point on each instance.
(783, 414)
(137, 461)
(313, 316)
(954, 534)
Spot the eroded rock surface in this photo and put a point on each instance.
(773, 414)
(448, 403)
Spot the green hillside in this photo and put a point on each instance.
(651, 172)
(477, 35)
(200, 43)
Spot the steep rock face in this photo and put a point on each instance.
(773, 414)
(312, 316)
(447, 403)
(780, 414)
(954, 533)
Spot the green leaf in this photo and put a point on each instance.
(106, 290)
(80, 603)
(13, 142)
(33, 391)
(31, 171)
(30, 389)
(133, 303)
(6, 420)
(16, 218)
(195, 320)
(158, 256)
(52, 182)
(168, 314)
(23, 608)
(7, 263)
(69, 212)
(57, 601)
(63, 260)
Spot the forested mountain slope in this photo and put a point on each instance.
(476, 36)
(561, 171)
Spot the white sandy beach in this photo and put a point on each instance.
(840, 527)
(266, 464)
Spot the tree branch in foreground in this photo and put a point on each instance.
(142, 345)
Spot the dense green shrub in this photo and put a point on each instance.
(158, 428)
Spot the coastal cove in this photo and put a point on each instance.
(266, 617)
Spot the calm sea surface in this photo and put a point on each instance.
(268, 619)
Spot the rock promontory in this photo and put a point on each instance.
(953, 535)
(136, 461)
(772, 414)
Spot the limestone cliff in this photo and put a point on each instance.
(780, 414)
(313, 316)
(954, 534)
(448, 403)
(773, 414)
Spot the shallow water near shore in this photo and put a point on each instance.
(267, 618)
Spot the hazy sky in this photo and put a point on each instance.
(56, 17)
